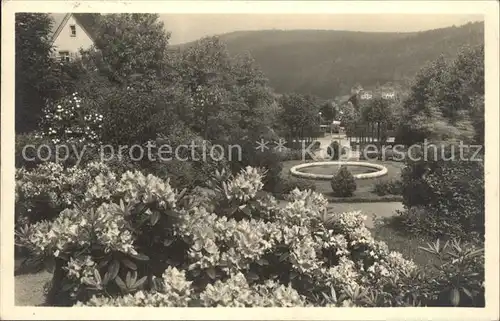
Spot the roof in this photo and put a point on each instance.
(87, 21)
(57, 21)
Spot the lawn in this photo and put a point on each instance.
(364, 190)
(405, 244)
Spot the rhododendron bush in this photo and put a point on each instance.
(50, 187)
(133, 240)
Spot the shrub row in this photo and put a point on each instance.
(388, 187)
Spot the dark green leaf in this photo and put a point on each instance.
(131, 265)
(181, 194)
(155, 217)
(128, 280)
(252, 276)
(211, 273)
(97, 276)
(284, 256)
(103, 263)
(121, 284)
(246, 210)
(49, 265)
(67, 287)
(467, 292)
(455, 297)
(172, 213)
(113, 269)
(140, 282)
(167, 242)
(140, 257)
(106, 279)
(89, 282)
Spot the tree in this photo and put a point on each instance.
(444, 101)
(349, 116)
(132, 45)
(33, 81)
(421, 118)
(230, 96)
(329, 111)
(257, 116)
(378, 112)
(300, 115)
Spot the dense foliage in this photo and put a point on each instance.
(37, 74)
(343, 183)
(444, 198)
(131, 44)
(300, 116)
(388, 187)
(446, 101)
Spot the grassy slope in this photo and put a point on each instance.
(328, 63)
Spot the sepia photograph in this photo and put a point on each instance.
(246, 158)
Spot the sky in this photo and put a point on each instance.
(189, 27)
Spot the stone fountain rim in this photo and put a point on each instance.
(382, 170)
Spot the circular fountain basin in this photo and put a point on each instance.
(376, 170)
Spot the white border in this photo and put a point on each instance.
(488, 8)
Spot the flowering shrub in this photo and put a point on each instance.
(70, 120)
(136, 241)
(49, 188)
(270, 160)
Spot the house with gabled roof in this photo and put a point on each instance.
(72, 32)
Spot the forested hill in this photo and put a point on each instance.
(328, 63)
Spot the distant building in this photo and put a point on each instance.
(365, 95)
(70, 33)
(356, 89)
(389, 95)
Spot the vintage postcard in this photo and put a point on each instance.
(250, 160)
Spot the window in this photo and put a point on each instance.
(64, 56)
(73, 30)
